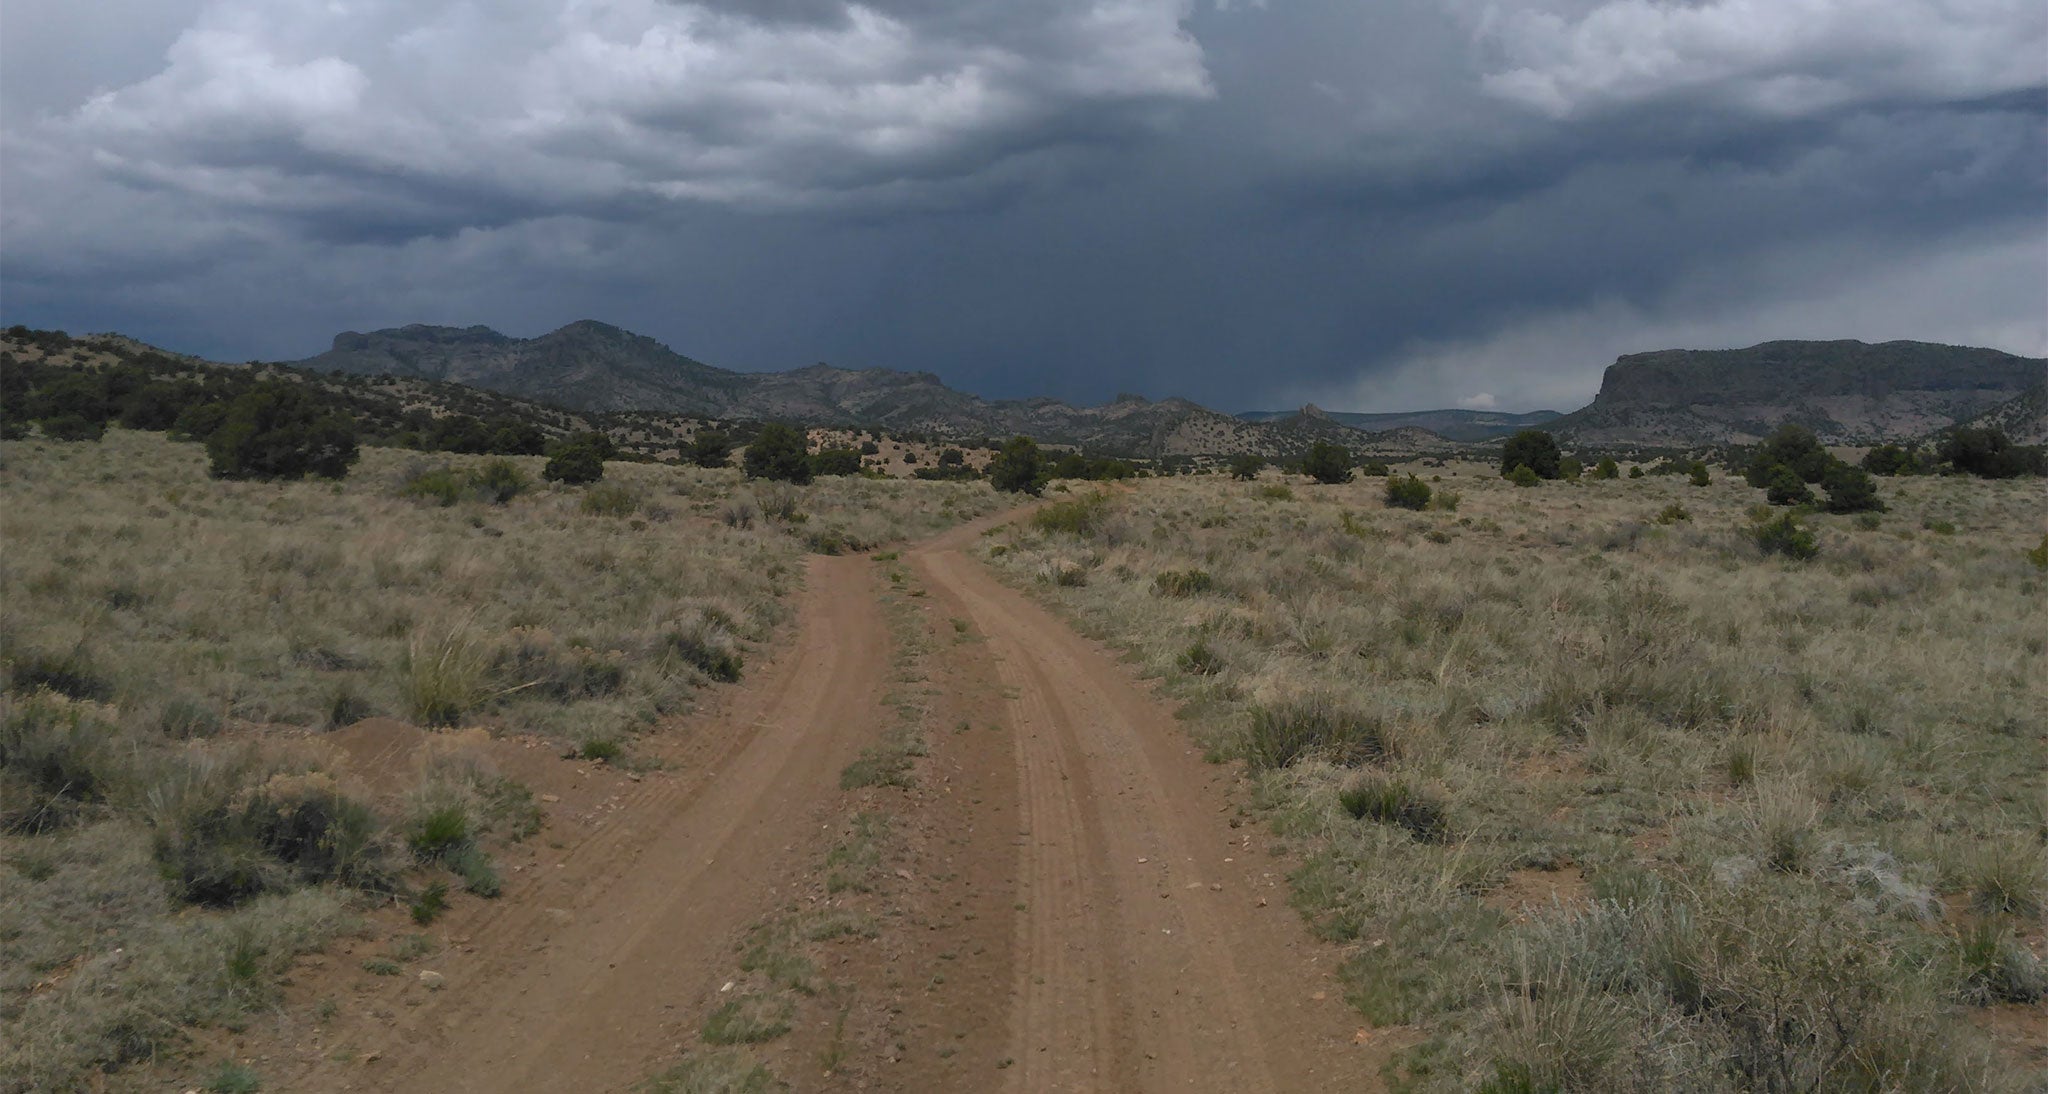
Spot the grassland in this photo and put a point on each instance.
(1595, 794)
(173, 829)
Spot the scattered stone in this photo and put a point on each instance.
(432, 980)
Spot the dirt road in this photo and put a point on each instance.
(1105, 925)
(581, 980)
(1155, 949)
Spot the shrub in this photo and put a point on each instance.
(221, 840)
(1445, 501)
(442, 676)
(778, 453)
(1407, 493)
(276, 431)
(835, 461)
(1996, 967)
(1327, 463)
(611, 500)
(574, 464)
(1783, 535)
(1182, 582)
(704, 643)
(1891, 459)
(1989, 454)
(430, 902)
(1524, 475)
(71, 427)
(1570, 469)
(1699, 475)
(56, 758)
(1673, 513)
(1074, 517)
(711, 448)
(1278, 734)
(1784, 487)
(1199, 659)
(1635, 472)
(1276, 491)
(2039, 555)
(1374, 469)
(437, 484)
(1018, 468)
(1247, 466)
(1394, 800)
(1793, 447)
(1607, 469)
(498, 481)
(1533, 449)
(748, 1020)
(1850, 490)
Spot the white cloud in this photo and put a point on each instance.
(1982, 293)
(1484, 400)
(312, 106)
(1772, 57)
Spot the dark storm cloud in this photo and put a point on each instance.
(1368, 205)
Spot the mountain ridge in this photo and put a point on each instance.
(1847, 391)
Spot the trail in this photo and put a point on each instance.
(1100, 923)
(585, 979)
(1154, 949)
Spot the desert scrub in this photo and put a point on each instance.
(1787, 789)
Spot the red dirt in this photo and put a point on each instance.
(1071, 908)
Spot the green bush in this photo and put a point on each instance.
(1327, 463)
(1524, 475)
(1018, 468)
(1407, 493)
(2039, 555)
(71, 427)
(1699, 474)
(778, 453)
(1792, 447)
(1785, 487)
(1533, 449)
(1247, 466)
(835, 461)
(574, 464)
(1673, 513)
(1783, 535)
(1989, 454)
(1607, 469)
(1891, 459)
(1850, 490)
(711, 448)
(277, 431)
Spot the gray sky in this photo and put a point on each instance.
(1372, 206)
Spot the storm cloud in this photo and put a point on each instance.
(1372, 207)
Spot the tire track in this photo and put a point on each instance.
(1153, 951)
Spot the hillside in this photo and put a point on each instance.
(1847, 392)
(1454, 425)
(2022, 418)
(591, 367)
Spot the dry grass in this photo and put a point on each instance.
(1770, 770)
(166, 850)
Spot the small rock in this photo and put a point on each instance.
(551, 797)
(432, 980)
